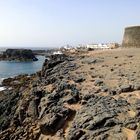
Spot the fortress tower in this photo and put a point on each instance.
(131, 37)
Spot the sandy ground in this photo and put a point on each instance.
(117, 67)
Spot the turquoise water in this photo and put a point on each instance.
(10, 69)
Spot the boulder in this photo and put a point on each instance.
(126, 88)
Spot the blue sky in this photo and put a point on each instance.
(50, 23)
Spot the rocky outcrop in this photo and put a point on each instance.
(70, 100)
(18, 55)
(17, 81)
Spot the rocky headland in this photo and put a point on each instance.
(92, 95)
(18, 55)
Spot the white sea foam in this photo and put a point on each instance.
(1, 79)
(2, 88)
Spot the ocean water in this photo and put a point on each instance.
(11, 68)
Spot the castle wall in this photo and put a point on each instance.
(131, 37)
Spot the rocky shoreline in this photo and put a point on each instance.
(88, 96)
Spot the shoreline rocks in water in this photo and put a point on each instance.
(72, 100)
(18, 55)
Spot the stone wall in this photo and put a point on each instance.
(131, 37)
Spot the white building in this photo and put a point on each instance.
(97, 46)
(57, 52)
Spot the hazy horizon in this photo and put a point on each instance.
(53, 23)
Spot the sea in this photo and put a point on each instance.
(14, 68)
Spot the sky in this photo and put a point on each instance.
(54, 23)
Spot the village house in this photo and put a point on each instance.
(103, 46)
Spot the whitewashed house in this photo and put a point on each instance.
(57, 52)
(97, 46)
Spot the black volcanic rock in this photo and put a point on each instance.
(18, 54)
(68, 100)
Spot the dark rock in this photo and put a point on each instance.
(7, 81)
(33, 105)
(110, 123)
(73, 97)
(64, 85)
(118, 90)
(90, 126)
(132, 126)
(84, 137)
(88, 96)
(103, 137)
(99, 115)
(111, 69)
(76, 135)
(5, 124)
(71, 100)
(92, 61)
(7, 109)
(19, 54)
(137, 86)
(112, 92)
(55, 119)
(98, 82)
(83, 102)
(53, 61)
(115, 91)
(126, 88)
(129, 56)
(104, 88)
(79, 79)
(51, 124)
(17, 81)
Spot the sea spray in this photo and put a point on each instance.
(2, 88)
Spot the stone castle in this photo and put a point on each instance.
(131, 37)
